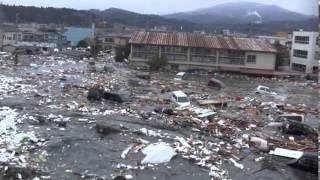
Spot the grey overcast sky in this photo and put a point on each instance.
(163, 6)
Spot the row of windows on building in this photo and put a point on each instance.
(12, 37)
(302, 67)
(300, 53)
(226, 59)
(31, 37)
(173, 49)
(301, 39)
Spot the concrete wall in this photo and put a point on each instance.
(8, 39)
(117, 42)
(310, 61)
(9, 49)
(263, 61)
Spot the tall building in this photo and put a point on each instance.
(305, 52)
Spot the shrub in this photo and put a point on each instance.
(157, 63)
(83, 44)
(119, 56)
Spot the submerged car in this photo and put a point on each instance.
(265, 90)
(215, 83)
(291, 117)
(180, 76)
(91, 66)
(180, 98)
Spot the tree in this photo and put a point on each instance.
(119, 56)
(157, 63)
(127, 51)
(83, 44)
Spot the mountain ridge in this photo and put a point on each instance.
(84, 18)
(236, 12)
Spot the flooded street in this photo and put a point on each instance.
(52, 131)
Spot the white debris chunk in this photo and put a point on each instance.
(287, 153)
(126, 151)
(158, 153)
(128, 176)
(183, 142)
(150, 132)
(240, 166)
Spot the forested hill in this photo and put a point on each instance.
(28, 14)
(72, 17)
(84, 18)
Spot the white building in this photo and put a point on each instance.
(32, 39)
(304, 52)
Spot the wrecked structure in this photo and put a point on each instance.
(113, 41)
(189, 51)
(41, 39)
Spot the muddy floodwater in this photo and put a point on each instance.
(54, 135)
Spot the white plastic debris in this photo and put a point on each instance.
(158, 153)
(148, 132)
(287, 153)
(275, 124)
(259, 142)
(202, 113)
(129, 176)
(126, 151)
(183, 142)
(217, 173)
(259, 159)
(240, 166)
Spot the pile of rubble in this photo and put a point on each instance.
(218, 129)
(16, 147)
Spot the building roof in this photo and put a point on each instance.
(113, 34)
(200, 40)
(179, 93)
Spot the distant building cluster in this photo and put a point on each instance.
(296, 51)
(293, 52)
(31, 36)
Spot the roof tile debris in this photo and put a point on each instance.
(203, 41)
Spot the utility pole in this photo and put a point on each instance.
(17, 24)
(16, 57)
(93, 39)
